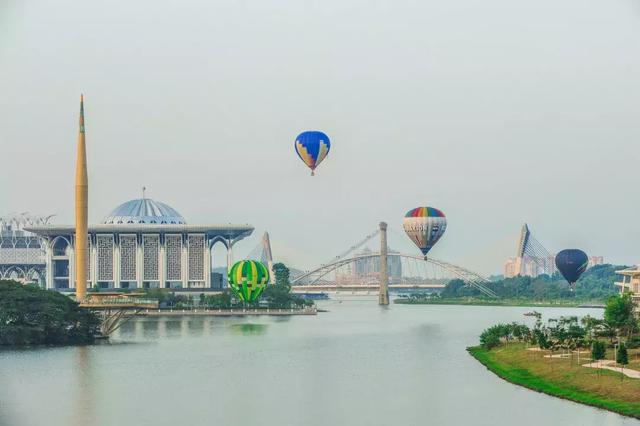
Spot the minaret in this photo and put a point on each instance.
(82, 202)
(383, 295)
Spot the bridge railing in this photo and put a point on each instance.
(119, 301)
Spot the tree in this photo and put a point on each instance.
(598, 352)
(278, 296)
(618, 313)
(281, 273)
(216, 301)
(32, 316)
(622, 357)
(452, 288)
(490, 338)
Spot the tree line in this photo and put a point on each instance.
(597, 283)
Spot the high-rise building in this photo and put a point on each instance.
(595, 260)
(510, 270)
(367, 269)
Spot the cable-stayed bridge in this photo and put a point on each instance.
(531, 257)
(358, 268)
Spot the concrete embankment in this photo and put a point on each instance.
(227, 312)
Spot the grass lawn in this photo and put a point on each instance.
(564, 377)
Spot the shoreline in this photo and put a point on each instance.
(519, 376)
(506, 303)
(226, 312)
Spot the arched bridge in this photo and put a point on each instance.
(469, 277)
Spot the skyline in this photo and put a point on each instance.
(459, 129)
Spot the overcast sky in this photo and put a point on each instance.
(495, 111)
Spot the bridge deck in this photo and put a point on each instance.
(108, 301)
(363, 287)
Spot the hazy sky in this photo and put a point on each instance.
(495, 111)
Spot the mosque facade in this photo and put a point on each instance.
(142, 243)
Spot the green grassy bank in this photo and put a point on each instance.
(562, 378)
(472, 301)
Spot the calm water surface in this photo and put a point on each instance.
(357, 365)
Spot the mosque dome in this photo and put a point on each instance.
(144, 210)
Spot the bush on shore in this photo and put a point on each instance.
(32, 316)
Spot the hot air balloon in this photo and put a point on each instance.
(425, 226)
(312, 147)
(247, 279)
(572, 263)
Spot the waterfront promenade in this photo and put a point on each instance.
(227, 312)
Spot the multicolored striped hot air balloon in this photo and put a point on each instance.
(312, 147)
(425, 226)
(247, 279)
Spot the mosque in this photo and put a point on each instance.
(141, 244)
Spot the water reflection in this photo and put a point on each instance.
(196, 326)
(83, 408)
(176, 327)
(249, 329)
(168, 327)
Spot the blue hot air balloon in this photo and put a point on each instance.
(572, 263)
(312, 147)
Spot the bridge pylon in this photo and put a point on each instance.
(383, 295)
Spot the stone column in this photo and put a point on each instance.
(72, 263)
(185, 260)
(116, 261)
(93, 270)
(383, 296)
(49, 264)
(162, 252)
(229, 255)
(207, 263)
(139, 259)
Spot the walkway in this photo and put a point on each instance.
(610, 365)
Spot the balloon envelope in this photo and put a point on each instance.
(572, 263)
(424, 226)
(312, 147)
(247, 279)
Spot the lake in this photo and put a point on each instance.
(359, 364)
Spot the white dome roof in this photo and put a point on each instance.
(144, 210)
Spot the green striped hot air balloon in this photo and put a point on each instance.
(247, 279)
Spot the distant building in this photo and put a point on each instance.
(630, 283)
(367, 269)
(596, 260)
(22, 254)
(510, 268)
(528, 266)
